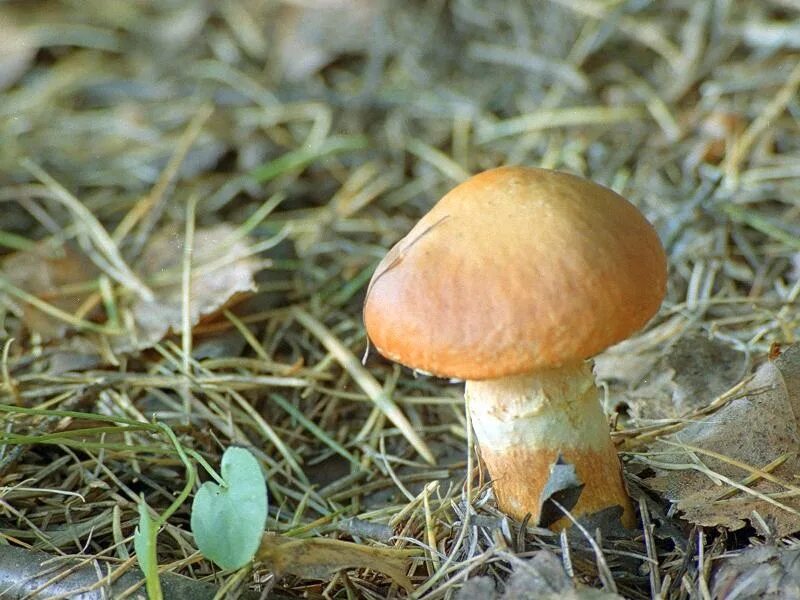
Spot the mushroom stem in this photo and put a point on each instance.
(523, 423)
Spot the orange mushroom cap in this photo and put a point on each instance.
(515, 270)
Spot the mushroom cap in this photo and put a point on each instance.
(517, 269)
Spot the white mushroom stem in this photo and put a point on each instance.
(522, 424)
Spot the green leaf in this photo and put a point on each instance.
(228, 520)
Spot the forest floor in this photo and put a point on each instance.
(194, 196)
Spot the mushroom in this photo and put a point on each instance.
(512, 282)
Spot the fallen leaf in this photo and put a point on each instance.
(688, 375)
(541, 576)
(765, 572)
(562, 491)
(53, 275)
(319, 558)
(702, 368)
(222, 273)
(756, 429)
(564, 487)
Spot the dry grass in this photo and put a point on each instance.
(131, 116)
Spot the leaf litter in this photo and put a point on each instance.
(540, 576)
(223, 269)
(722, 467)
(222, 274)
(769, 572)
(48, 273)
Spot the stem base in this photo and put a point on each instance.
(523, 423)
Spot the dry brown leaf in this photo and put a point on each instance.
(755, 429)
(48, 273)
(319, 558)
(222, 272)
(692, 372)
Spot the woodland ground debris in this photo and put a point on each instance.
(121, 121)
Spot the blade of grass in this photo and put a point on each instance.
(766, 118)
(16, 242)
(446, 165)
(303, 157)
(5, 408)
(186, 303)
(560, 117)
(762, 224)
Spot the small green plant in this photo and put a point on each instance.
(144, 538)
(228, 518)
